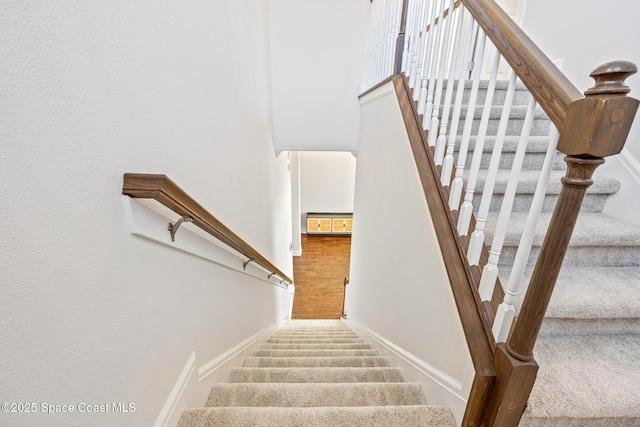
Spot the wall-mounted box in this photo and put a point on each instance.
(329, 223)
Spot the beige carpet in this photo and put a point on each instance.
(316, 373)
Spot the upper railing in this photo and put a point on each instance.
(166, 192)
(449, 49)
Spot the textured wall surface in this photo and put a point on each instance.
(583, 35)
(318, 54)
(91, 90)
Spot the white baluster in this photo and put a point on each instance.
(422, 98)
(419, 34)
(395, 31)
(407, 36)
(428, 111)
(506, 310)
(464, 218)
(490, 270)
(420, 61)
(442, 65)
(477, 238)
(457, 184)
(447, 164)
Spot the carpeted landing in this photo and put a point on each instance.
(316, 373)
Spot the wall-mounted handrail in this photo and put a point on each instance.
(163, 190)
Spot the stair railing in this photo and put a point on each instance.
(454, 39)
(164, 191)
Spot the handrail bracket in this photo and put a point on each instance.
(173, 228)
(244, 264)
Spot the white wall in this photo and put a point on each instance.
(89, 91)
(317, 61)
(399, 288)
(327, 182)
(585, 34)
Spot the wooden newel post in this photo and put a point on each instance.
(595, 127)
(397, 66)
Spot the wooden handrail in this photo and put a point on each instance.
(477, 332)
(161, 189)
(552, 89)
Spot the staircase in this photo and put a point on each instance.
(316, 373)
(589, 346)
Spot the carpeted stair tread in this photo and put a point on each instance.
(307, 362)
(593, 379)
(598, 239)
(311, 395)
(528, 180)
(310, 340)
(588, 292)
(293, 334)
(594, 200)
(312, 346)
(421, 415)
(314, 353)
(315, 375)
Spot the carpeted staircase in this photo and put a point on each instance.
(589, 346)
(316, 373)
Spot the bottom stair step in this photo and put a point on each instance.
(589, 381)
(312, 395)
(421, 415)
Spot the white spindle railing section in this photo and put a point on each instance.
(506, 310)
(421, 75)
(466, 209)
(442, 63)
(442, 132)
(386, 18)
(458, 184)
(447, 167)
(433, 48)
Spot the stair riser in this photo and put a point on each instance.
(315, 340)
(379, 416)
(558, 327)
(327, 346)
(315, 353)
(532, 161)
(540, 127)
(585, 256)
(314, 375)
(522, 203)
(315, 395)
(306, 362)
(521, 95)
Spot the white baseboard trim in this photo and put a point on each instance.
(176, 392)
(631, 163)
(438, 387)
(191, 390)
(236, 351)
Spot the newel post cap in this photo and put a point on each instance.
(598, 125)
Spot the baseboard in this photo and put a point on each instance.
(192, 390)
(176, 393)
(631, 163)
(238, 352)
(438, 387)
(625, 204)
